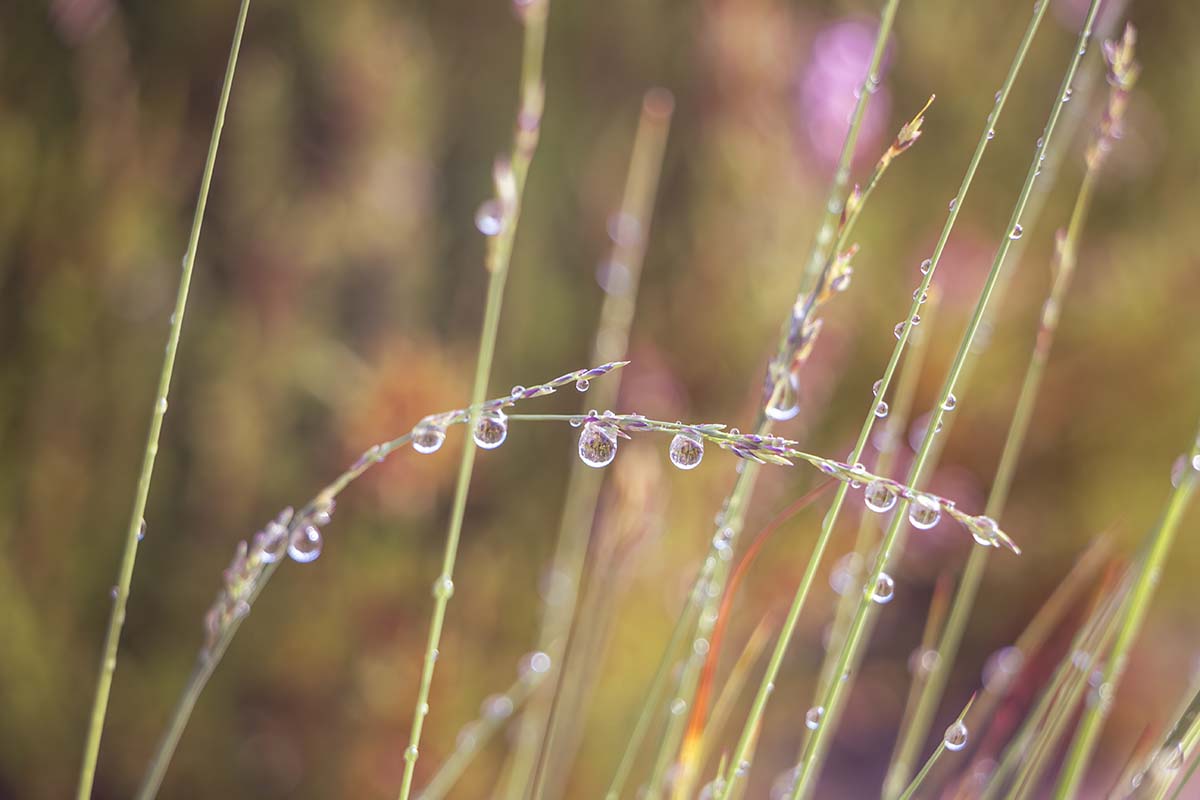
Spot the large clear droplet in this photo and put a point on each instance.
(878, 497)
(428, 437)
(956, 736)
(951, 402)
(491, 430)
(885, 589)
(785, 399)
(305, 544)
(881, 409)
(812, 719)
(926, 265)
(898, 330)
(924, 512)
(986, 532)
(489, 219)
(582, 385)
(686, 450)
(597, 445)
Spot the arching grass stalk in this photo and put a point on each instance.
(1132, 615)
(630, 232)
(1122, 73)
(255, 561)
(505, 214)
(903, 331)
(112, 640)
(1159, 771)
(834, 696)
(955, 739)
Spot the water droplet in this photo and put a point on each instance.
(1170, 759)
(700, 647)
(885, 589)
(920, 296)
(784, 403)
(275, 542)
(1001, 667)
(875, 387)
(898, 330)
(923, 661)
(953, 203)
(857, 471)
(926, 265)
(1016, 231)
(1040, 142)
(539, 662)
(113, 592)
(986, 532)
(841, 282)
(305, 544)
(881, 409)
(916, 320)
(997, 97)
(491, 430)
(950, 402)
(991, 134)
(427, 437)
(597, 445)
(142, 530)
(443, 587)
(686, 450)
(517, 391)
(678, 706)
(812, 719)
(924, 512)
(582, 385)
(1067, 95)
(411, 753)
(956, 736)
(879, 497)
(497, 706)
(162, 405)
(489, 219)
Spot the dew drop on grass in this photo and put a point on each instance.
(785, 399)
(443, 587)
(881, 409)
(956, 736)
(986, 532)
(950, 403)
(411, 753)
(582, 385)
(491, 430)
(427, 437)
(1016, 231)
(875, 387)
(926, 265)
(489, 219)
(142, 530)
(924, 512)
(678, 706)
(898, 330)
(305, 544)
(885, 589)
(953, 203)
(597, 445)
(687, 450)
(812, 719)
(878, 497)
(991, 134)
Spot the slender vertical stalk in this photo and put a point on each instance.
(510, 186)
(819, 743)
(112, 641)
(1130, 623)
(1063, 269)
(632, 225)
(885, 382)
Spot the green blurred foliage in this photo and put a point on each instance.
(337, 299)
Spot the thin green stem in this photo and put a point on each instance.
(1132, 615)
(1006, 471)
(108, 663)
(834, 696)
(942, 746)
(510, 188)
(583, 483)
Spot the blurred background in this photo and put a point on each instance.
(337, 299)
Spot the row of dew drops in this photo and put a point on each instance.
(597, 441)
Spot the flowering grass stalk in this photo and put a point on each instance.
(297, 533)
(499, 223)
(1131, 617)
(631, 228)
(833, 698)
(133, 534)
(1122, 73)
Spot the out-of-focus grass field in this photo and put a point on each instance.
(337, 299)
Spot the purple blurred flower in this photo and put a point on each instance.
(829, 87)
